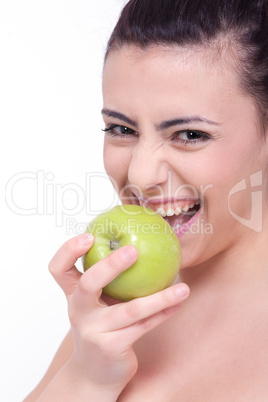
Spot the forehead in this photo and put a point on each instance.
(164, 70)
(131, 64)
(214, 58)
(159, 80)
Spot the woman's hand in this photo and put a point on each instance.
(103, 357)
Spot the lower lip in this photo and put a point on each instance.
(186, 227)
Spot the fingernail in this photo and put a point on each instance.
(129, 252)
(86, 239)
(182, 290)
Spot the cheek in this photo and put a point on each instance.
(225, 182)
(116, 162)
(221, 166)
(213, 177)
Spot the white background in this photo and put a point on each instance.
(51, 56)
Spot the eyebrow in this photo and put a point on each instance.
(164, 124)
(185, 120)
(120, 116)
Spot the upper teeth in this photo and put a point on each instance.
(175, 211)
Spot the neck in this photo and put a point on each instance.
(234, 268)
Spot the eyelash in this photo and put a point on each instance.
(110, 131)
(203, 137)
(175, 137)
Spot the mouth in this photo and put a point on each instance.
(179, 213)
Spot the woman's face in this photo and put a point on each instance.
(181, 136)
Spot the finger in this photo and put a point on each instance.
(62, 265)
(142, 308)
(103, 272)
(137, 330)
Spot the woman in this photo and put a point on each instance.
(185, 90)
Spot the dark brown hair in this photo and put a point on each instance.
(243, 23)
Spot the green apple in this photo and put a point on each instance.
(159, 250)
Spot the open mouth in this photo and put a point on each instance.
(180, 216)
(179, 213)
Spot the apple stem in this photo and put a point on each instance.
(113, 245)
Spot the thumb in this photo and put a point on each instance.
(62, 265)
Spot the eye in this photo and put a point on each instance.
(190, 137)
(117, 130)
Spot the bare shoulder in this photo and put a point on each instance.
(62, 355)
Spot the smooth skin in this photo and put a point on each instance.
(216, 347)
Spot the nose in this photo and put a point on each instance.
(148, 170)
